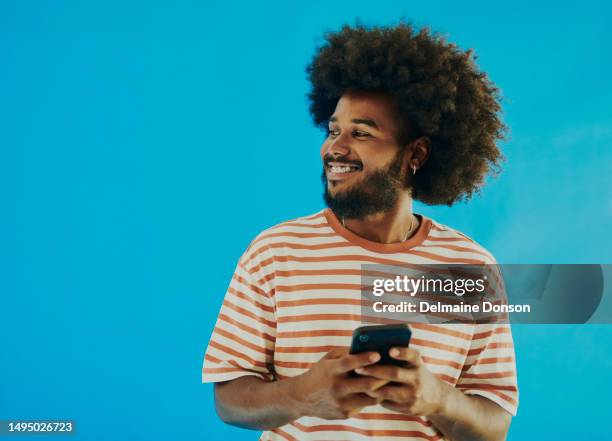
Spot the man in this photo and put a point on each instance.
(408, 116)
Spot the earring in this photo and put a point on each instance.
(414, 169)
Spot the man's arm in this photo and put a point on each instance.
(325, 391)
(253, 403)
(470, 417)
(416, 391)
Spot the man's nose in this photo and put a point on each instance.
(339, 146)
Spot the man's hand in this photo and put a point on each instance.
(328, 391)
(412, 388)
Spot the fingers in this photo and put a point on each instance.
(410, 355)
(395, 394)
(359, 384)
(390, 373)
(352, 404)
(351, 362)
(393, 406)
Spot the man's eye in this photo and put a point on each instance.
(332, 132)
(360, 134)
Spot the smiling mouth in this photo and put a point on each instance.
(337, 171)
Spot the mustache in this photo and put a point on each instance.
(327, 159)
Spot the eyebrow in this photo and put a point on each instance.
(367, 122)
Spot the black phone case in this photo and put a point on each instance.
(381, 338)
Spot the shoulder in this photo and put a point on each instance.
(454, 241)
(294, 228)
(304, 230)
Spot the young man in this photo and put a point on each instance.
(408, 116)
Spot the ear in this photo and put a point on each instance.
(417, 153)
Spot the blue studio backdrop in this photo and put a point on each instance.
(143, 145)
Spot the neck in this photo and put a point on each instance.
(389, 227)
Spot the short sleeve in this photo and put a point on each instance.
(242, 342)
(490, 367)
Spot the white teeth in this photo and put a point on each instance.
(338, 169)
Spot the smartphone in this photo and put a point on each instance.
(381, 338)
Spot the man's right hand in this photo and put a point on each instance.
(328, 391)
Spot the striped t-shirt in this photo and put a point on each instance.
(295, 295)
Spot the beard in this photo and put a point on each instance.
(378, 192)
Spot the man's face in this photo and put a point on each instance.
(364, 170)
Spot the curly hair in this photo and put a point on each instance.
(440, 92)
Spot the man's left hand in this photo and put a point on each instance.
(414, 389)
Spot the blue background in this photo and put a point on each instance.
(144, 145)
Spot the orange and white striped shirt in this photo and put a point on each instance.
(295, 295)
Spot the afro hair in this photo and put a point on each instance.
(440, 92)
